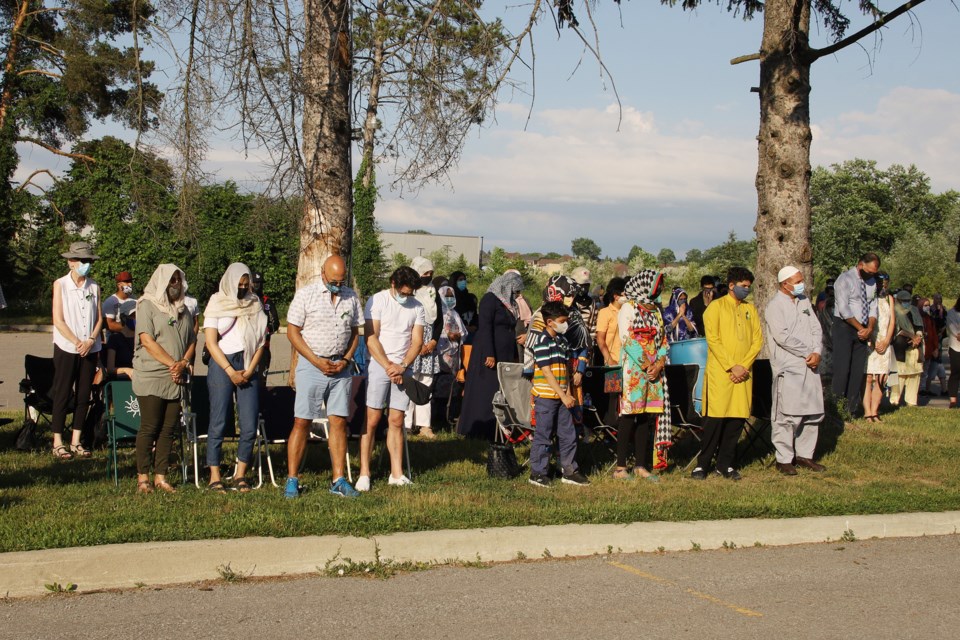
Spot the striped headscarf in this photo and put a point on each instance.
(506, 288)
(640, 289)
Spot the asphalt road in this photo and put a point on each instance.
(894, 588)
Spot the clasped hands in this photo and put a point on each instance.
(330, 367)
(177, 369)
(395, 372)
(738, 374)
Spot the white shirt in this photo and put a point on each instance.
(396, 322)
(230, 343)
(80, 306)
(192, 305)
(113, 306)
(326, 322)
(953, 328)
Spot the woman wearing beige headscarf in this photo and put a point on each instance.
(164, 347)
(235, 329)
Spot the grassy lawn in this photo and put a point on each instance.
(909, 463)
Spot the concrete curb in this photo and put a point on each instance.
(128, 565)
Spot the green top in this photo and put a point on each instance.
(150, 377)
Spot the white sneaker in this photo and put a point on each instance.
(402, 481)
(363, 483)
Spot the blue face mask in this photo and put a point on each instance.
(462, 285)
(741, 293)
(399, 297)
(450, 302)
(798, 290)
(332, 288)
(83, 268)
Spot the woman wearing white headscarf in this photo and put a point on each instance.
(164, 347)
(235, 329)
(427, 364)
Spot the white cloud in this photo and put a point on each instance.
(907, 126)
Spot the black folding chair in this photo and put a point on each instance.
(681, 382)
(36, 386)
(761, 424)
(273, 427)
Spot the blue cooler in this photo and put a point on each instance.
(693, 351)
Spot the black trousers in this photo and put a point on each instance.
(849, 364)
(635, 428)
(72, 378)
(720, 436)
(954, 382)
(158, 423)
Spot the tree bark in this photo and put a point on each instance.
(373, 100)
(328, 177)
(783, 170)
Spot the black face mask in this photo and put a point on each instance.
(426, 280)
(865, 276)
(242, 292)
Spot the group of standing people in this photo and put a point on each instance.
(415, 330)
(877, 331)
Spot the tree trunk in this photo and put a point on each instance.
(783, 171)
(328, 177)
(373, 101)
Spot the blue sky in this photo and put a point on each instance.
(680, 170)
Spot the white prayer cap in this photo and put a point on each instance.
(421, 265)
(787, 272)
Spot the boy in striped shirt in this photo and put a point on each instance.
(553, 400)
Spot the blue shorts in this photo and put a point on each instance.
(382, 392)
(316, 391)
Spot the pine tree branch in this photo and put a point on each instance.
(27, 72)
(55, 151)
(816, 54)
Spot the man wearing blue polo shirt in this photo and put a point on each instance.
(322, 325)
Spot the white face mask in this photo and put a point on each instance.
(561, 327)
(127, 289)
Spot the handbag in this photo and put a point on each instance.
(502, 461)
(901, 342)
(27, 436)
(613, 381)
(205, 355)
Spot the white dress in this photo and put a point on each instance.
(879, 364)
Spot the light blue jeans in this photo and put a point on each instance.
(221, 390)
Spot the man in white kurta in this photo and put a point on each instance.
(794, 342)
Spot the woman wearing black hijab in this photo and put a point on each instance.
(466, 301)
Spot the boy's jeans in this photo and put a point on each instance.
(551, 414)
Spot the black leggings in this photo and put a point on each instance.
(636, 428)
(954, 381)
(72, 379)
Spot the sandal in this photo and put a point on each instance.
(62, 453)
(638, 472)
(216, 487)
(165, 487)
(144, 486)
(241, 485)
(620, 473)
(80, 450)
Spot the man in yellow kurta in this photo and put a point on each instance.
(734, 339)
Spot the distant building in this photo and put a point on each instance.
(424, 244)
(552, 266)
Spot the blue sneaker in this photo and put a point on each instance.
(343, 489)
(292, 490)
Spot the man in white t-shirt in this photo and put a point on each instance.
(111, 307)
(393, 329)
